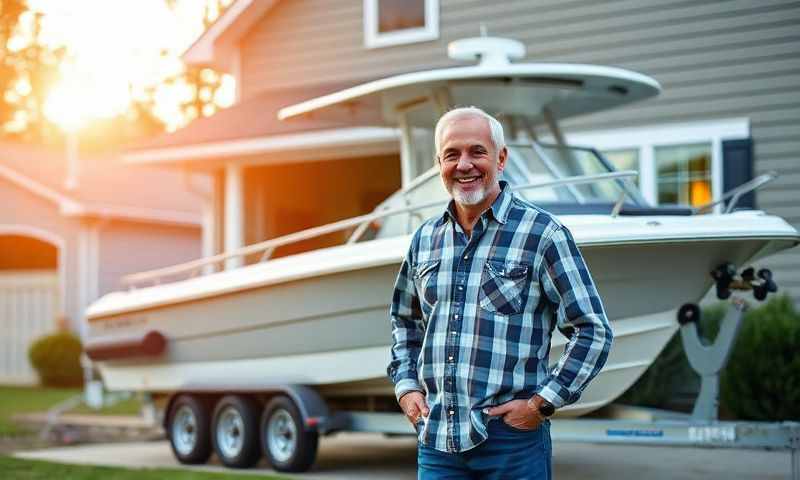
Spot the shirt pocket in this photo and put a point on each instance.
(425, 274)
(503, 287)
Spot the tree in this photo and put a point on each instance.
(203, 83)
(27, 70)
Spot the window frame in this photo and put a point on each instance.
(645, 139)
(374, 39)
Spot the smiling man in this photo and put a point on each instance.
(475, 304)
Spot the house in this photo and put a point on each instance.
(70, 230)
(729, 110)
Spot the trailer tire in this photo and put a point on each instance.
(288, 445)
(235, 431)
(189, 429)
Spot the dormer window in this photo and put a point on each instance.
(396, 22)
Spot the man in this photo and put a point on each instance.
(474, 307)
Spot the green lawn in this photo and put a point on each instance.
(13, 468)
(14, 400)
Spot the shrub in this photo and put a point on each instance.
(762, 378)
(56, 358)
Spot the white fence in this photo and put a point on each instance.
(29, 305)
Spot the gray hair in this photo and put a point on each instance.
(494, 126)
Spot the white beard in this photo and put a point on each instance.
(471, 198)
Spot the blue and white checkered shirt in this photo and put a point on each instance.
(472, 318)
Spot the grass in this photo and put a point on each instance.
(38, 470)
(16, 400)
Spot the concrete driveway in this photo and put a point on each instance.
(372, 456)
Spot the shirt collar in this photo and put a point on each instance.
(499, 209)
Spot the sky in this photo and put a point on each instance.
(115, 51)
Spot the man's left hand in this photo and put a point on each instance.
(517, 414)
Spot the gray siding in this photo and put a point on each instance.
(128, 247)
(715, 59)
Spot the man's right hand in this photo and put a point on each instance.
(414, 406)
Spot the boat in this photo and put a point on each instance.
(320, 318)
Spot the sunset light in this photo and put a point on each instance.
(112, 60)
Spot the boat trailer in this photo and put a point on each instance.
(701, 429)
(294, 416)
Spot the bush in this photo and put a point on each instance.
(56, 358)
(761, 380)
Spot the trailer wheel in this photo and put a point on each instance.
(188, 429)
(288, 445)
(235, 431)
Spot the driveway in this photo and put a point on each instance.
(372, 456)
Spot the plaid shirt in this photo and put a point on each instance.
(472, 318)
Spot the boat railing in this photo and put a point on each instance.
(735, 194)
(361, 222)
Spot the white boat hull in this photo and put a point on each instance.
(332, 331)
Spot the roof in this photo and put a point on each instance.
(215, 47)
(251, 128)
(251, 118)
(106, 187)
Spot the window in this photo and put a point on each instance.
(678, 164)
(395, 22)
(683, 174)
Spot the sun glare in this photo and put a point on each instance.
(80, 97)
(64, 108)
(116, 54)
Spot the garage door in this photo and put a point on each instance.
(29, 305)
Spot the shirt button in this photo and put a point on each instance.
(450, 358)
(460, 287)
(466, 257)
(452, 412)
(456, 315)
(453, 333)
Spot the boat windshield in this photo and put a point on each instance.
(527, 168)
(537, 163)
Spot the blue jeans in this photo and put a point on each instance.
(507, 453)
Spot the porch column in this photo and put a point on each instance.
(234, 213)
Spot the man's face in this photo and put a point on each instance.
(469, 163)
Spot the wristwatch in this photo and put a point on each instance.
(545, 408)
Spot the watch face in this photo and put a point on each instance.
(547, 409)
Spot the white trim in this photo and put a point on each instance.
(311, 141)
(150, 215)
(234, 213)
(646, 138)
(53, 239)
(66, 204)
(375, 39)
(72, 208)
(663, 134)
(216, 45)
(83, 280)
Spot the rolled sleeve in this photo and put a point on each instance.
(580, 316)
